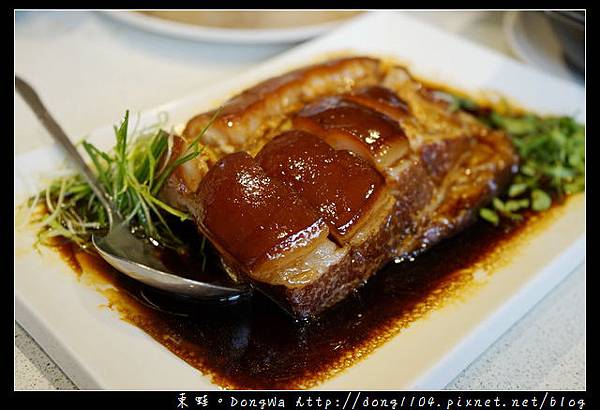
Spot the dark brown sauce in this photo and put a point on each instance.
(193, 259)
(253, 344)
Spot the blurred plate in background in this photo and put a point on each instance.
(569, 26)
(532, 39)
(240, 27)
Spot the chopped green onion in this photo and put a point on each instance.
(489, 215)
(552, 158)
(540, 201)
(516, 189)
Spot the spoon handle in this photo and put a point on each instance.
(36, 105)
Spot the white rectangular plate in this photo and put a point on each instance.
(98, 350)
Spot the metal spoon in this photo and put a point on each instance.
(130, 255)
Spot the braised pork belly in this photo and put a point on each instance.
(312, 181)
(346, 191)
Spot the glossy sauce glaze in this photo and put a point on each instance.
(340, 187)
(255, 345)
(345, 124)
(251, 217)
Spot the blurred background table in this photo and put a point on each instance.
(90, 68)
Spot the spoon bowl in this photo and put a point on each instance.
(137, 258)
(133, 256)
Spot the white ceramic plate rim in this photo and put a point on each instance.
(89, 369)
(222, 35)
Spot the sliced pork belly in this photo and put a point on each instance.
(246, 118)
(439, 143)
(271, 217)
(483, 174)
(381, 99)
(347, 125)
(257, 223)
(345, 190)
(438, 135)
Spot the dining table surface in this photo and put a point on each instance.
(89, 68)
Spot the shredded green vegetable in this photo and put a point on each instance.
(552, 160)
(132, 173)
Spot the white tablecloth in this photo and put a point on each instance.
(89, 69)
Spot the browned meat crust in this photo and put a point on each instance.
(246, 118)
(439, 167)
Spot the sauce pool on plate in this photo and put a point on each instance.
(253, 344)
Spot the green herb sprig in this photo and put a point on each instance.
(552, 159)
(132, 174)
